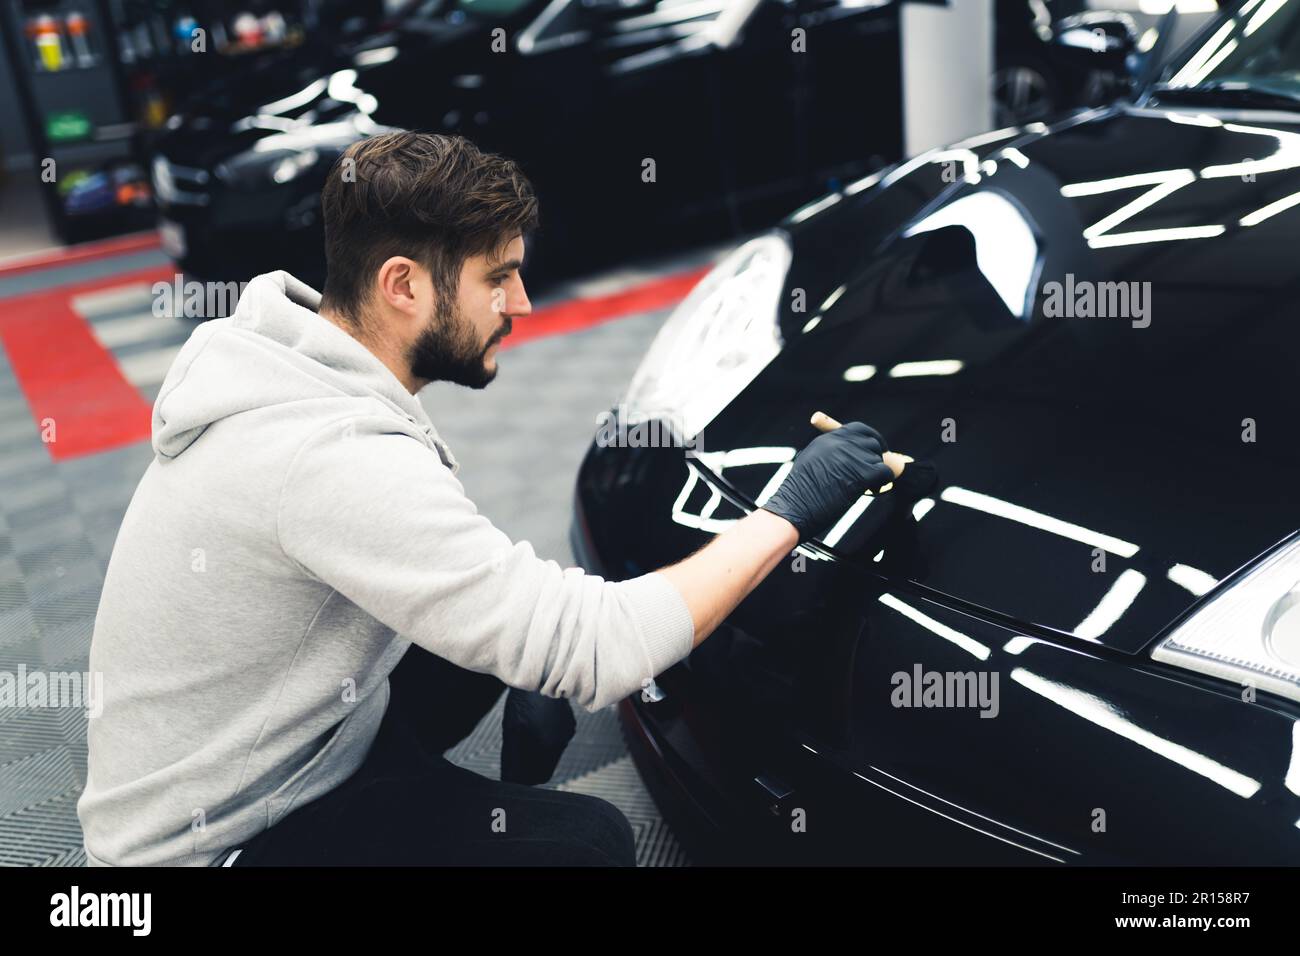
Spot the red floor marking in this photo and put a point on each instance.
(73, 381)
(583, 313)
(69, 379)
(82, 252)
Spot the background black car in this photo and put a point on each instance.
(584, 93)
(1051, 57)
(1114, 531)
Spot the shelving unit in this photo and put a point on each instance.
(97, 80)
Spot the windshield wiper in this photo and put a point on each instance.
(1229, 93)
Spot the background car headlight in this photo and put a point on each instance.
(290, 167)
(164, 186)
(716, 341)
(1250, 632)
(256, 169)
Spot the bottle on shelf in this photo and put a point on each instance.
(78, 28)
(248, 30)
(51, 54)
(184, 32)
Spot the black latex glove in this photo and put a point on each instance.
(829, 475)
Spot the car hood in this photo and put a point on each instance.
(1098, 471)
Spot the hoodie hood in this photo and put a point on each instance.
(273, 350)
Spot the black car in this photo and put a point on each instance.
(664, 110)
(1084, 645)
(1051, 56)
(693, 119)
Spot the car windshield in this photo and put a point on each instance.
(1254, 48)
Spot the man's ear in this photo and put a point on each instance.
(399, 284)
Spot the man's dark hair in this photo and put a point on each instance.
(435, 198)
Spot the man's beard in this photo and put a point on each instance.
(447, 351)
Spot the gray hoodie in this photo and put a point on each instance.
(299, 527)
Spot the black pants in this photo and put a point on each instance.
(408, 805)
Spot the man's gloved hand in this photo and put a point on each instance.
(829, 475)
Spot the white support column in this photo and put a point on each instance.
(947, 54)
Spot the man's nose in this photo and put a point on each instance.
(517, 305)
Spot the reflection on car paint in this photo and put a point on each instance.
(965, 642)
(1106, 716)
(1107, 612)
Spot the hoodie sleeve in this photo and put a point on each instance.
(375, 514)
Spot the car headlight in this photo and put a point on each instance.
(255, 169)
(1249, 632)
(290, 167)
(716, 341)
(164, 186)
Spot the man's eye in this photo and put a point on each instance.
(497, 280)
